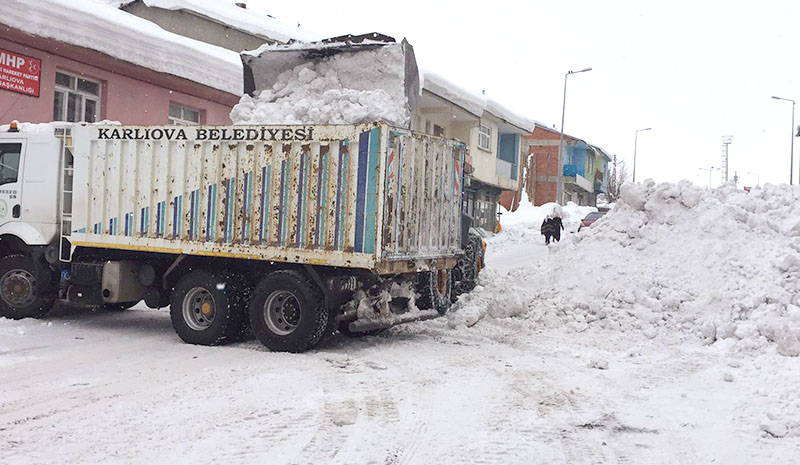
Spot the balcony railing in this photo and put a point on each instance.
(506, 169)
(575, 175)
(572, 170)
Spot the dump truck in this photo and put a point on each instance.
(288, 232)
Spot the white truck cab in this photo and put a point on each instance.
(29, 170)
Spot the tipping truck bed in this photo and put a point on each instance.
(356, 196)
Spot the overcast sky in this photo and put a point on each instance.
(694, 71)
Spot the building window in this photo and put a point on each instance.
(485, 138)
(438, 131)
(76, 99)
(183, 116)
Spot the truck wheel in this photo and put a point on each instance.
(287, 312)
(466, 270)
(208, 308)
(434, 289)
(25, 289)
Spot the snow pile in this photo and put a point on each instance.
(529, 217)
(334, 90)
(722, 265)
(51, 126)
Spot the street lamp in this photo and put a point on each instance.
(710, 172)
(758, 177)
(791, 147)
(560, 183)
(635, 142)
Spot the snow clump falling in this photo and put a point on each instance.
(336, 90)
(721, 265)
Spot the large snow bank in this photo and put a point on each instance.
(720, 265)
(334, 90)
(101, 27)
(243, 19)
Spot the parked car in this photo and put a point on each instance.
(590, 218)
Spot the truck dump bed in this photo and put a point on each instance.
(357, 196)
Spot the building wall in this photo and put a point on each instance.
(542, 182)
(190, 25)
(130, 100)
(485, 162)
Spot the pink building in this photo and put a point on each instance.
(78, 84)
(92, 62)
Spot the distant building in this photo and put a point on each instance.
(493, 137)
(584, 173)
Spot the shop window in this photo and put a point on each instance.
(183, 116)
(76, 99)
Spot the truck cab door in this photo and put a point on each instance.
(11, 158)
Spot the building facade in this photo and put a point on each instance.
(493, 137)
(92, 61)
(79, 84)
(583, 176)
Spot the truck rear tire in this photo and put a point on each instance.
(208, 308)
(434, 289)
(287, 312)
(25, 289)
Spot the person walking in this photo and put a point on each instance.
(547, 229)
(557, 225)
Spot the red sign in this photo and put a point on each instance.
(19, 73)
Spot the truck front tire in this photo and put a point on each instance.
(26, 290)
(208, 308)
(287, 312)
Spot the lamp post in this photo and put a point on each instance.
(758, 177)
(791, 147)
(710, 172)
(560, 174)
(635, 143)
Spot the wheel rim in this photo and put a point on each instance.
(18, 288)
(199, 309)
(282, 312)
(441, 282)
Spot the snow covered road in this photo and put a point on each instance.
(621, 345)
(119, 387)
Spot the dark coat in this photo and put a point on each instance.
(557, 226)
(548, 227)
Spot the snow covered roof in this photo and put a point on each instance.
(238, 18)
(474, 104)
(509, 116)
(440, 86)
(104, 28)
(601, 151)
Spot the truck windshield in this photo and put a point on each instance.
(9, 162)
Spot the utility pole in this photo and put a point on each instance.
(726, 141)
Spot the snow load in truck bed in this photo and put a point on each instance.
(720, 265)
(333, 90)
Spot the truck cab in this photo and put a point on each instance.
(29, 168)
(30, 163)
